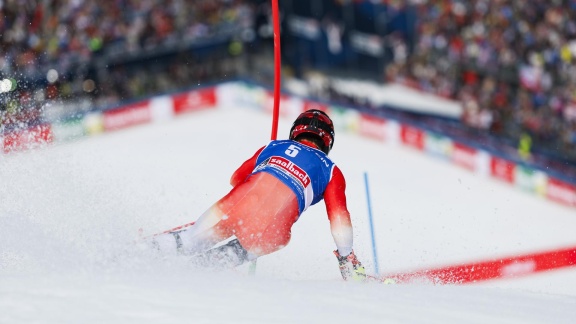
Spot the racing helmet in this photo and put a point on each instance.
(316, 123)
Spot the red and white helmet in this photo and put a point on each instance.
(315, 122)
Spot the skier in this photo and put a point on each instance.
(270, 192)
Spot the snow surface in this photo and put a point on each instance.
(69, 215)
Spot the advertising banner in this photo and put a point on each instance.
(308, 104)
(412, 136)
(126, 116)
(68, 130)
(194, 100)
(373, 127)
(30, 138)
(464, 156)
(438, 145)
(502, 169)
(530, 180)
(561, 192)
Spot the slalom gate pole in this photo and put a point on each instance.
(277, 71)
(374, 252)
(501, 268)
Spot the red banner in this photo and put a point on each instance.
(129, 115)
(464, 156)
(412, 136)
(561, 192)
(502, 169)
(195, 100)
(373, 127)
(27, 139)
(314, 105)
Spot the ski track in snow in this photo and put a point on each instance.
(70, 214)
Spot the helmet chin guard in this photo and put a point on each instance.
(316, 123)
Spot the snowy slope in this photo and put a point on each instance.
(69, 215)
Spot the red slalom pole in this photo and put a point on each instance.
(504, 268)
(277, 69)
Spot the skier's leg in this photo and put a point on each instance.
(260, 213)
(192, 239)
(231, 254)
(275, 237)
(211, 227)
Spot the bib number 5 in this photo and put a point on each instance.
(292, 150)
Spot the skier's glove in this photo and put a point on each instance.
(350, 267)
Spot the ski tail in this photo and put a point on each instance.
(172, 230)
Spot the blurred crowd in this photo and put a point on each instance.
(511, 63)
(78, 50)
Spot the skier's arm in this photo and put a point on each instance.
(340, 223)
(245, 169)
(341, 227)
